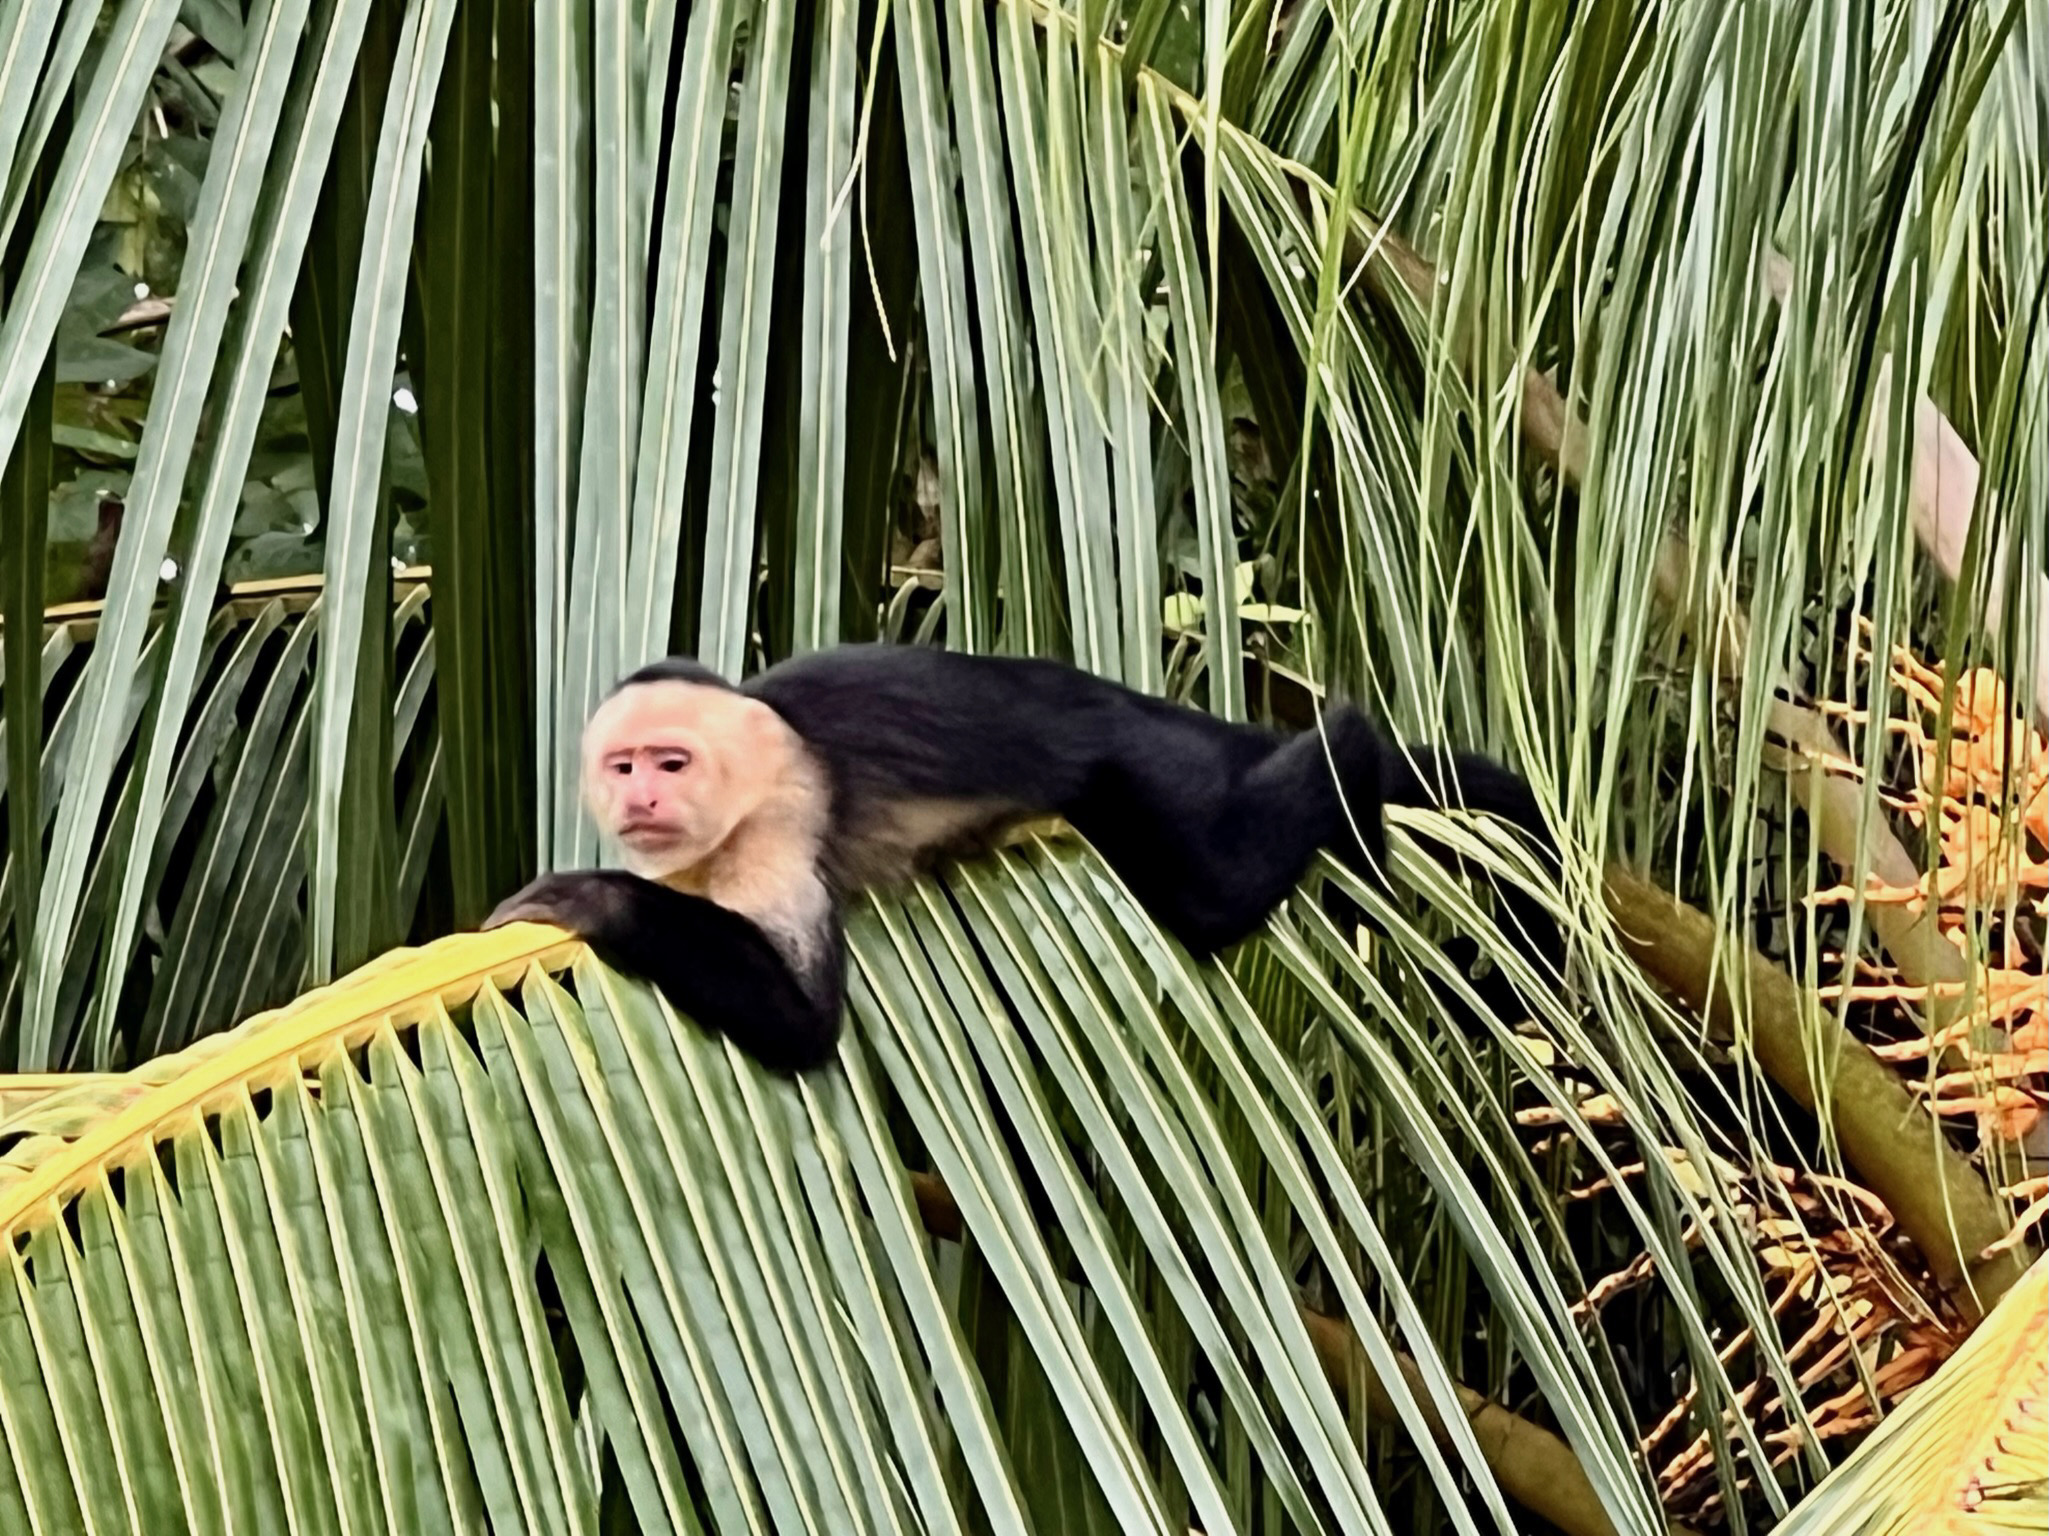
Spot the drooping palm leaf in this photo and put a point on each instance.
(222, 863)
(76, 191)
(445, 1237)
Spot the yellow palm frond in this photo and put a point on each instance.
(1966, 1453)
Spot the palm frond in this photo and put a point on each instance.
(220, 866)
(421, 1243)
(1604, 388)
(1967, 1451)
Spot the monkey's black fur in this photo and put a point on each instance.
(1210, 824)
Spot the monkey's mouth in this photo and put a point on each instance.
(648, 834)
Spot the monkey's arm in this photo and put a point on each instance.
(710, 962)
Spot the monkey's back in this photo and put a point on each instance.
(912, 721)
(934, 752)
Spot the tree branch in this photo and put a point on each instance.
(1896, 1146)
(1886, 1135)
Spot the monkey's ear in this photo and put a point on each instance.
(587, 787)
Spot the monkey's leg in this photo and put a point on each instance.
(1438, 777)
(714, 965)
(1319, 789)
(1212, 825)
(1348, 786)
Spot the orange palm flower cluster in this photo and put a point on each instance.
(1984, 792)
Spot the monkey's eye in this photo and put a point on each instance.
(675, 762)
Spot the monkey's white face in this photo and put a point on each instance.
(671, 769)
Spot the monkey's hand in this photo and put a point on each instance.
(587, 902)
(713, 964)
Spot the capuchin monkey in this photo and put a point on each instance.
(749, 814)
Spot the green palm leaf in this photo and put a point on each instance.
(419, 1236)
